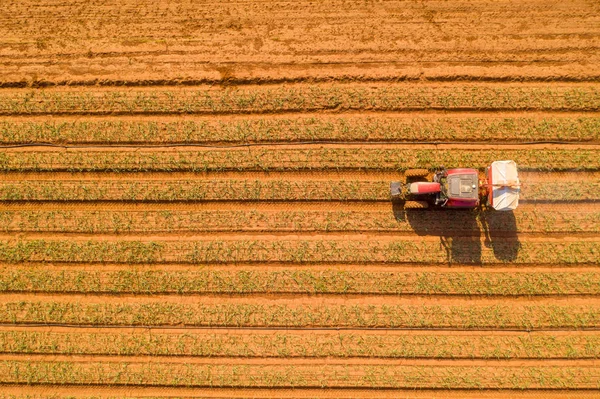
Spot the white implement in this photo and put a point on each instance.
(503, 185)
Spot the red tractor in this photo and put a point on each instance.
(460, 188)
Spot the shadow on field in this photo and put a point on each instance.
(461, 231)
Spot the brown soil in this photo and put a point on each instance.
(193, 42)
(296, 393)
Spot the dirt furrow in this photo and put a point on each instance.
(472, 147)
(380, 237)
(477, 40)
(293, 73)
(110, 392)
(107, 392)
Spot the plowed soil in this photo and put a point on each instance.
(194, 199)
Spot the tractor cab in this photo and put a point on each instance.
(459, 188)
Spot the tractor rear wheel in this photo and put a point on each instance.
(416, 173)
(416, 205)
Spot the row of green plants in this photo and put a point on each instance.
(116, 221)
(297, 376)
(286, 159)
(341, 128)
(193, 190)
(284, 281)
(160, 312)
(304, 98)
(452, 249)
(252, 190)
(303, 344)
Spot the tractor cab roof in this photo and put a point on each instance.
(462, 184)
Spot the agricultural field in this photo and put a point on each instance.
(194, 199)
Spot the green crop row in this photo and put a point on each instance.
(303, 98)
(269, 159)
(302, 375)
(454, 249)
(303, 344)
(297, 281)
(193, 190)
(472, 129)
(251, 190)
(311, 220)
(165, 313)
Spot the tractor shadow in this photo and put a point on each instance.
(461, 232)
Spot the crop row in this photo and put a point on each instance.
(269, 159)
(297, 281)
(455, 249)
(307, 376)
(250, 190)
(102, 221)
(303, 344)
(184, 190)
(164, 313)
(303, 98)
(472, 129)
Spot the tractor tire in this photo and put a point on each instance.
(416, 173)
(416, 205)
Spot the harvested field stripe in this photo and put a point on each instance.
(467, 316)
(318, 127)
(304, 98)
(390, 219)
(306, 345)
(462, 250)
(293, 159)
(273, 376)
(253, 190)
(330, 281)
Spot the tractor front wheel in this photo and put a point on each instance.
(416, 205)
(416, 173)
